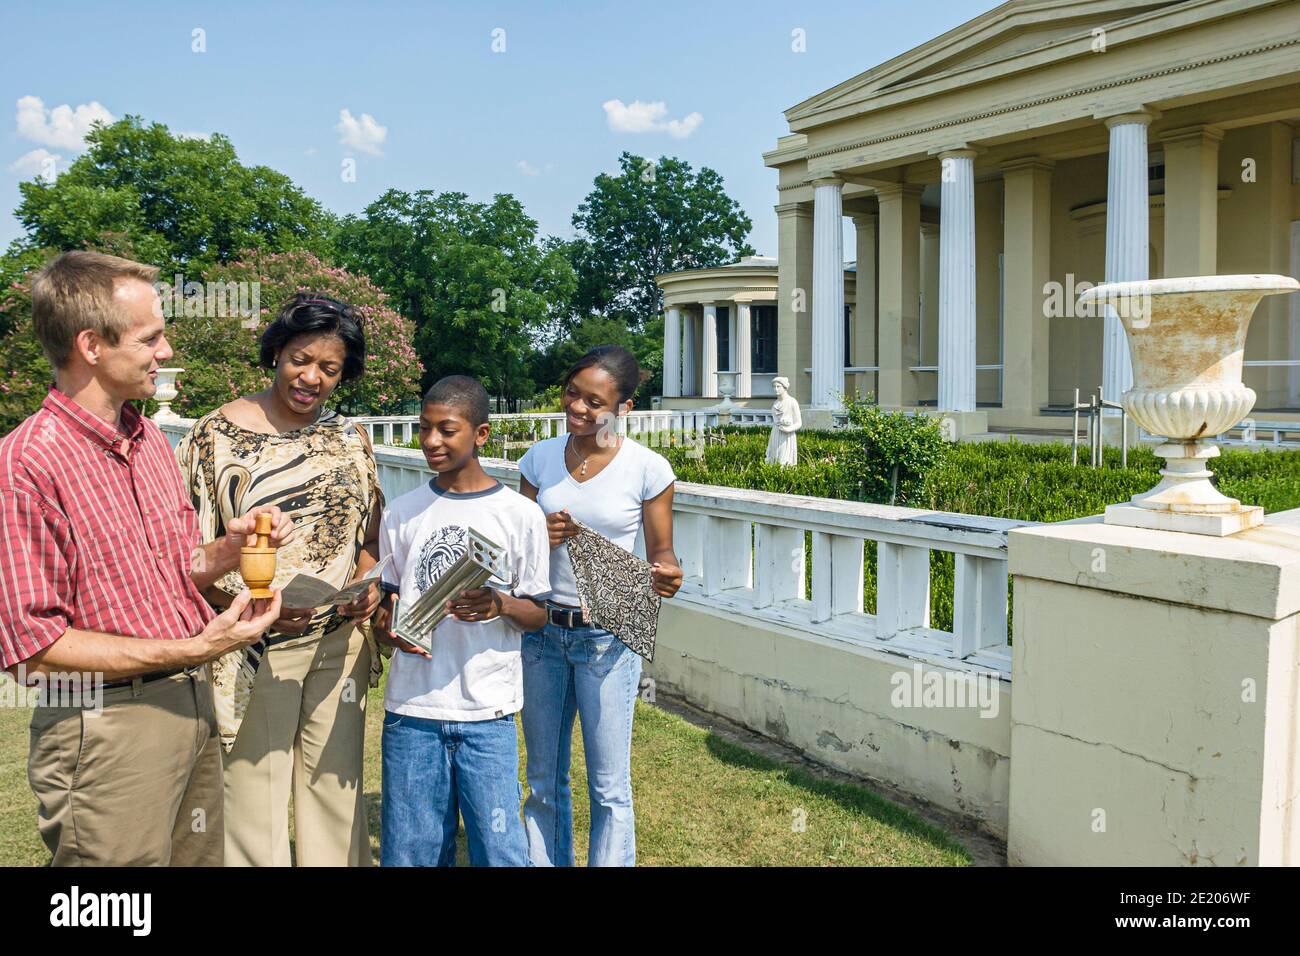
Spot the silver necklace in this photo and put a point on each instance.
(569, 446)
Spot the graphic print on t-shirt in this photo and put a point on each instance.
(440, 551)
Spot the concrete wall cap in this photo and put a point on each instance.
(1255, 572)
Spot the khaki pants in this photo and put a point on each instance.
(139, 784)
(302, 735)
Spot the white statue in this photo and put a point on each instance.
(783, 446)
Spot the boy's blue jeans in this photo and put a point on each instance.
(434, 769)
(590, 673)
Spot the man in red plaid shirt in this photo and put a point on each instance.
(101, 576)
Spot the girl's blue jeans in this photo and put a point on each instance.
(589, 673)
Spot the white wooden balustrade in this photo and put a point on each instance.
(745, 553)
(400, 429)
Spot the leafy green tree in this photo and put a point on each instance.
(652, 218)
(473, 277)
(548, 365)
(185, 204)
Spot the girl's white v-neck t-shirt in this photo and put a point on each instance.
(609, 502)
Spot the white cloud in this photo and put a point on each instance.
(527, 168)
(35, 163)
(311, 151)
(64, 127)
(638, 117)
(363, 135)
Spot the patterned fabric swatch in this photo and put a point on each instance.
(615, 589)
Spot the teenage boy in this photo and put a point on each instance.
(449, 741)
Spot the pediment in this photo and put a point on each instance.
(1016, 27)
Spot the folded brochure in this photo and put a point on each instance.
(303, 590)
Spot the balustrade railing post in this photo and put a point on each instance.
(979, 604)
(902, 588)
(727, 554)
(837, 584)
(688, 542)
(778, 564)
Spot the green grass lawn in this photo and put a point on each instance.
(700, 801)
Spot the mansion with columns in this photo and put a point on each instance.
(989, 173)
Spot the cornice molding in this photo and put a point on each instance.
(1055, 97)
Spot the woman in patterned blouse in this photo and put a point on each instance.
(292, 709)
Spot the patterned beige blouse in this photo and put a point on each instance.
(323, 476)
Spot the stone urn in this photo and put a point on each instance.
(165, 393)
(1187, 337)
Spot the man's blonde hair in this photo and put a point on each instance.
(75, 292)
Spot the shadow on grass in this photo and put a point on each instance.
(851, 797)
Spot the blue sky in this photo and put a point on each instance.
(456, 116)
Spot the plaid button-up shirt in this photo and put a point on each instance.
(98, 531)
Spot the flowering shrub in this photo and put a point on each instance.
(219, 353)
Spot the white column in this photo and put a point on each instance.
(1126, 237)
(690, 384)
(672, 353)
(957, 281)
(709, 379)
(744, 349)
(828, 294)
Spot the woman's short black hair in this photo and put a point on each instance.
(618, 362)
(309, 313)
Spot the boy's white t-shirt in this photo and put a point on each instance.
(476, 672)
(608, 503)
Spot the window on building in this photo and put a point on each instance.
(763, 336)
(1156, 173)
(848, 335)
(724, 338)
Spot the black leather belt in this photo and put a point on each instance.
(569, 617)
(150, 677)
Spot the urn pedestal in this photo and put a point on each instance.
(1187, 337)
(165, 393)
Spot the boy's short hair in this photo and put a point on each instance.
(466, 395)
